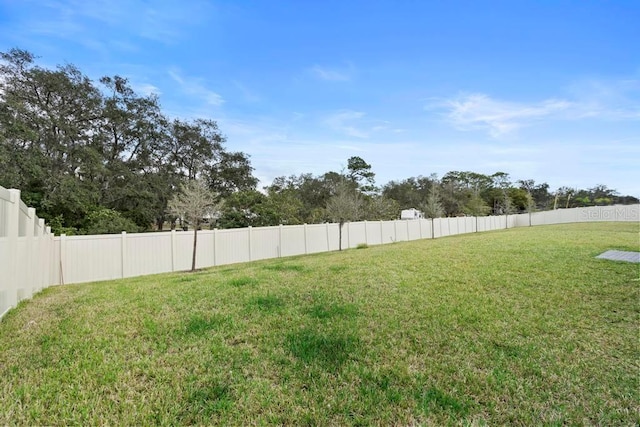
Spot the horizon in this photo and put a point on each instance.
(537, 90)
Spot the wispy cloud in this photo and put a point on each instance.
(147, 89)
(346, 121)
(357, 124)
(164, 22)
(613, 100)
(195, 87)
(248, 95)
(333, 74)
(589, 100)
(479, 111)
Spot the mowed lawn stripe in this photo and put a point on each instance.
(522, 326)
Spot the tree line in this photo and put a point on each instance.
(98, 157)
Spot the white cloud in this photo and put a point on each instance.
(147, 89)
(345, 121)
(612, 100)
(81, 21)
(195, 87)
(247, 93)
(479, 111)
(589, 99)
(333, 74)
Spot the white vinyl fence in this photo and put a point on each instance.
(27, 251)
(31, 258)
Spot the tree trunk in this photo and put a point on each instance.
(340, 235)
(195, 242)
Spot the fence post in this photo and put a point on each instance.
(348, 235)
(63, 257)
(123, 252)
(215, 246)
(366, 239)
(43, 263)
(305, 239)
(51, 249)
(280, 241)
(381, 232)
(12, 226)
(30, 268)
(328, 238)
(40, 232)
(173, 250)
(250, 235)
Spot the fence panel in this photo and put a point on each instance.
(91, 258)
(454, 226)
(205, 252)
(7, 297)
(317, 238)
(374, 232)
(400, 230)
(523, 220)
(23, 269)
(265, 243)
(414, 231)
(333, 232)
(388, 232)
(5, 203)
(182, 250)
(292, 240)
(232, 246)
(356, 234)
(147, 253)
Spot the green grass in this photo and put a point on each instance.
(520, 327)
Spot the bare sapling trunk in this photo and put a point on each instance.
(195, 243)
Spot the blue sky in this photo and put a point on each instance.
(544, 90)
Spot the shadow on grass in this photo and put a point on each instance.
(268, 303)
(338, 268)
(199, 325)
(242, 281)
(329, 352)
(330, 310)
(184, 278)
(435, 400)
(285, 267)
(206, 401)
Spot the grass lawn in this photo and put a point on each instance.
(519, 327)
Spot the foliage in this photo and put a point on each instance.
(252, 208)
(108, 221)
(57, 227)
(517, 327)
(476, 206)
(74, 146)
(432, 207)
(380, 208)
(360, 172)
